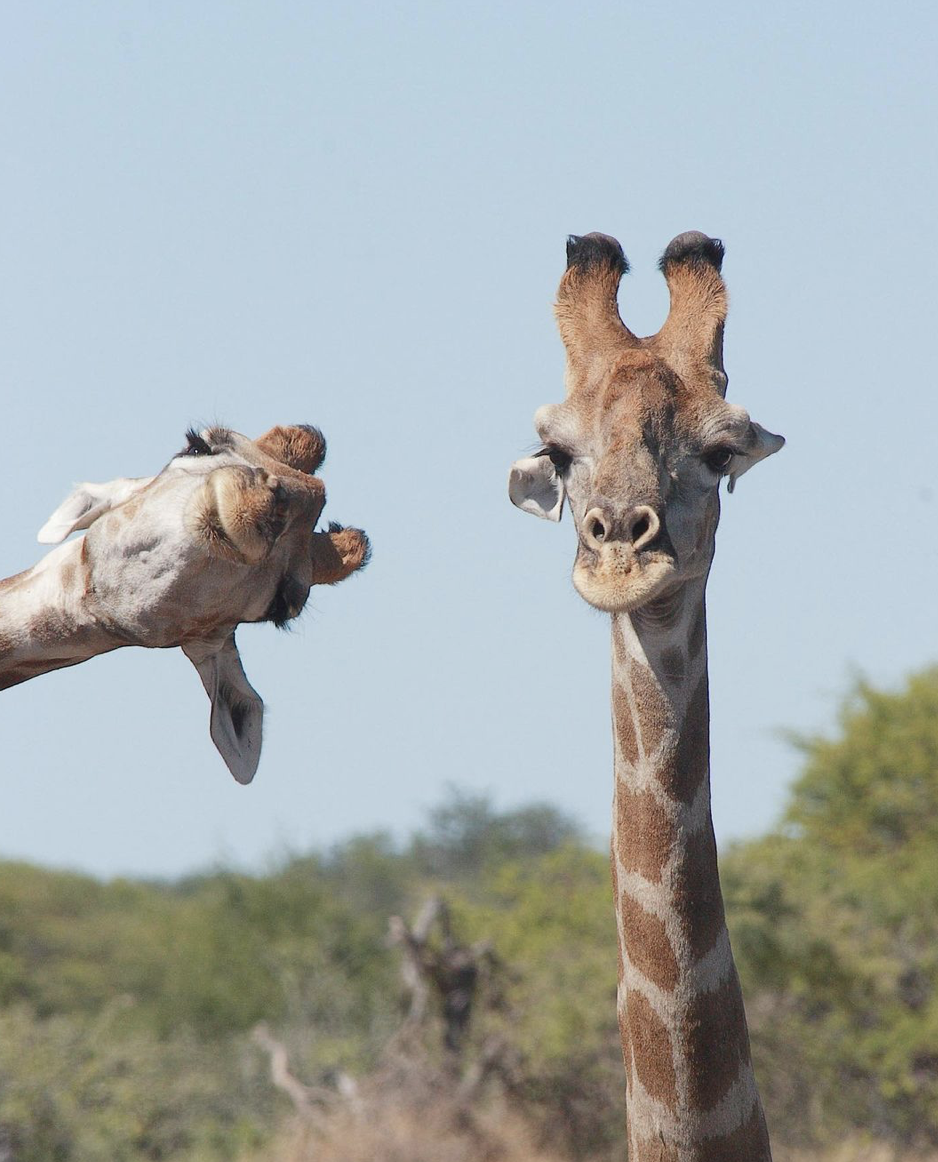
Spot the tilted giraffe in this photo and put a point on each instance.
(638, 449)
(223, 535)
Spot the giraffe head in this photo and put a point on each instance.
(224, 534)
(640, 444)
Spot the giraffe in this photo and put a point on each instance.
(224, 534)
(637, 449)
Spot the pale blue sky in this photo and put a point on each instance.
(355, 216)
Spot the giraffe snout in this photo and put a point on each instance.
(637, 528)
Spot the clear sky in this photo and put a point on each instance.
(354, 215)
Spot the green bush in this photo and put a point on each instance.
(126, 1008)
(835, 926)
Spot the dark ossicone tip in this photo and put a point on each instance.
(694, 247)
(592, 251)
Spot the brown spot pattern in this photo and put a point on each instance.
(695, 892)
(131, 507)
(654, 712)
(651, 1050)
(748, 1143)
(648, 945)
(717, 1043)
(644, 834)
(624, 724)
(688, 763)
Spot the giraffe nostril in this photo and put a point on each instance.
(598, 529)
(643, 524)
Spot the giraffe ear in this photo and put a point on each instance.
(85, 505)
(535, 487)
(236, 723)
(763, 444)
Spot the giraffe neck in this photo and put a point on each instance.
(691, 1092)
(44, 620)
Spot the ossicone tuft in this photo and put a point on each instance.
(589, 252)
(307, 447)
(362, 551)
(300, 446)
(694, 248)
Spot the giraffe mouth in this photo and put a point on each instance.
(616, 580)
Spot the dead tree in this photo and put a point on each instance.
(309, 1101)
(440, 974)
(453, 972)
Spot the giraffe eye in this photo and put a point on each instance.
(718, 460)
(560, 459)
(196, 445)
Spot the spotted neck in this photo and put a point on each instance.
(691, 1092)
(44, 620)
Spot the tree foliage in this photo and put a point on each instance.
(835, 922)
(126, 1008)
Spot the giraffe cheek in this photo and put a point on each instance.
(240, 513)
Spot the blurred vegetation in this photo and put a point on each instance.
(835, 927)
(126, 1008)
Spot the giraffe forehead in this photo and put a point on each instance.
(640, 403)
(660, 411)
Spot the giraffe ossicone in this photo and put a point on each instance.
(224, 534)
(637, 451)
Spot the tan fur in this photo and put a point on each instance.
(639, 813)
(651, 1050)
(588, 319)
(337, 554)
(303, 449)
(249, 507)
(691, 339)
(633, 447)
(654, 716)
(650, 949)
(225, 534)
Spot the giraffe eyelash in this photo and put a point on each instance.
(196, 445)
(559, 457)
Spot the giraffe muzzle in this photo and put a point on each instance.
(636, 530)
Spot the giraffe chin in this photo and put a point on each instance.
(613, 590)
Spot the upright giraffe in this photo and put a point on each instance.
(224, 534)
(638, 449)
